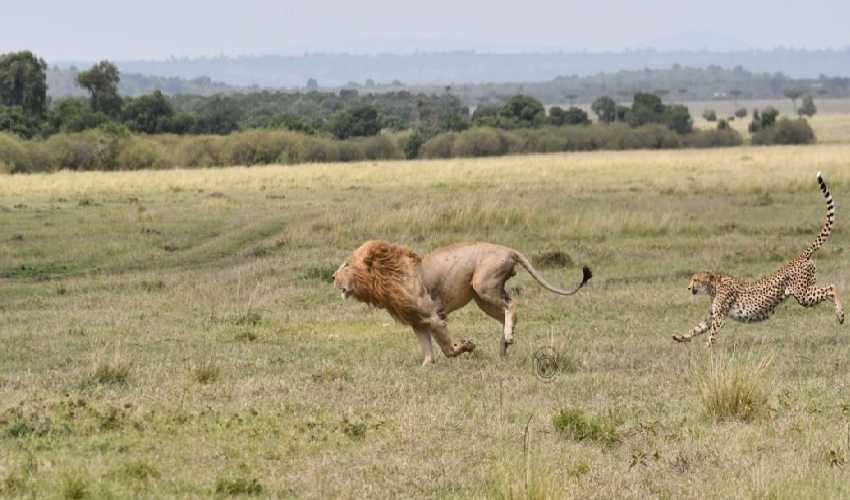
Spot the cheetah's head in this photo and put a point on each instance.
(702, 282)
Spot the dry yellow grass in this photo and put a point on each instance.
(207, 291)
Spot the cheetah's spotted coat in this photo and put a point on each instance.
(755, 301)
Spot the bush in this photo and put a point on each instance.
(786, 131)
(573, 423)
(480, 142)
(97, 149)
(254, 148)
(741, 112)
(201, 151)
(13, 154)
(440, 146)
(709, 115)
(717, 138)
(381, 147)
(141, 153)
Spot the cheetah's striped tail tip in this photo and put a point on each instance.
(820, 176)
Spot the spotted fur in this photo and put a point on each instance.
(756, 301)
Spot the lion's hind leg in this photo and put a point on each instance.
(503, 311)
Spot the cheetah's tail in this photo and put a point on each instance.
(830, 219)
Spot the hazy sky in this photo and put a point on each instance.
(156, 29)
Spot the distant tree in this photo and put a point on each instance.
(523, 111)
(764, 119)
(571, 116)
(793, 94)
(570, 98)
(370, 83)
(768, 116)
(709, 115)
(722, 124)
(15, 121)
(646, 108)
(678, 119)
(148, 114)
(486, 116)
(358, 122)
(605, 109)
(23, 82)
(755, 123)
(101, 81)
(312, 84)
(218, 115)
(72, 115)
(741, 112)
(808, 107)
(682, 92)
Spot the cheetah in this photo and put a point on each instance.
(755, 301)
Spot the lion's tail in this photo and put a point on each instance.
(585, 276)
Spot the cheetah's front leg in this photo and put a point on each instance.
(719, 311)
(701, 328)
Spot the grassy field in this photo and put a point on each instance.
(175, 333)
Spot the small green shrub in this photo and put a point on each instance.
(238, 486)
(205, 371)
(138, 470)
(573, 423)
(75, 487)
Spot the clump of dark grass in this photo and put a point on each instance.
(74, 487)
(205, 371)
(109, 368)
(573, 423)
(233, 486)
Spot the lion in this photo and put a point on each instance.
(422, 291)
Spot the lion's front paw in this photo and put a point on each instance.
(681, 338)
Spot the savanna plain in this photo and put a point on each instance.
(175, 334)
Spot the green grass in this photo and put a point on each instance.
(160, 342)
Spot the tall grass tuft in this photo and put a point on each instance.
(734, 387)
(109, 368)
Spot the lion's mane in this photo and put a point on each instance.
(388, 276)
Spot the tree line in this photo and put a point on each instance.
(415, 125)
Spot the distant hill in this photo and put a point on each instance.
(333, 70)
(60, 83)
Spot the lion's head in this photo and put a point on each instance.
(383, 275)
